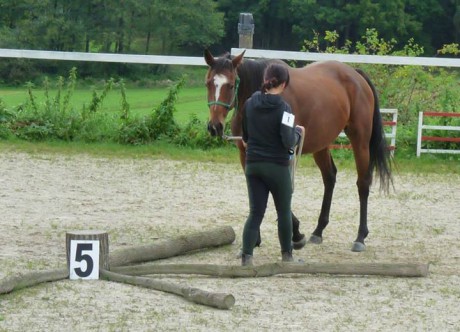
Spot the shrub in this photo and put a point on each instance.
(410, 89)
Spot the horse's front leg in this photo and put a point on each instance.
(298, 239)
(242, 151)
(323, 160)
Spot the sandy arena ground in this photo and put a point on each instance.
(140, 200)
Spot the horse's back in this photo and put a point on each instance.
(327, 97)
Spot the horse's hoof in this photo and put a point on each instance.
(358, 247)
(299, 244)
(315, 239)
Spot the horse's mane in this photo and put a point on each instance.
(251, 74)
(249, 71)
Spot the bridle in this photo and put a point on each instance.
(234, 101)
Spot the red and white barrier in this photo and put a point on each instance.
(421, 138)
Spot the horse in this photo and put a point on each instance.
(326, 97)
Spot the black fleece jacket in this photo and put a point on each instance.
(268, 128)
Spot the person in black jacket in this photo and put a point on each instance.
(270, 135)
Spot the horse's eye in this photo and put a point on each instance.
(231, 86)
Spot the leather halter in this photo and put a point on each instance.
(234, 101)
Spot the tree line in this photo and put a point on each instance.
(185, 27)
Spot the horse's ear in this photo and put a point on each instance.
(209, 58)
(237, 60)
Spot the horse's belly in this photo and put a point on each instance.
(323, 122)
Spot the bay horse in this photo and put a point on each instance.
(326, 98)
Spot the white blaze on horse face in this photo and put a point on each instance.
(219, 81)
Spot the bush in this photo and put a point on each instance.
(56, 119)
(159, 124)
(195, 135)
(6, 117)
(410, 89)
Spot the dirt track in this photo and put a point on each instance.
(138, 201)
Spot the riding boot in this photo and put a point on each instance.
(286, 256)
(246, 260)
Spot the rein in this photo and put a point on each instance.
(234, 99)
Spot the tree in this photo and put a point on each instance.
(179, 24)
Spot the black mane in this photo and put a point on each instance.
(251, 74)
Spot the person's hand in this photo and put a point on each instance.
(299, 130)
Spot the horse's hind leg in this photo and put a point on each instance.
(328, 170)
(361, 152)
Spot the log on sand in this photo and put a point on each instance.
(216, 300)
(29, 279)
(173, 247)
(381, 269)
(162, 249)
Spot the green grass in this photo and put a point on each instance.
(191, 100)
(227, 154)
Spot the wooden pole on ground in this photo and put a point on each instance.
(163, 249)
(380, 269)
(216, 300)
(24, 280)
(173, 247)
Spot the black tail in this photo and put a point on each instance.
(380, 158)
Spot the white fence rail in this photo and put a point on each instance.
(421, 138)
(103, 57)
(250, 53)
(353, 58)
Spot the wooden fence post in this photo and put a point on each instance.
(246, 30)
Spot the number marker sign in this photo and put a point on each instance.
(84, 259)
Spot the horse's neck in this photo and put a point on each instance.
(237, 122)
(250, 74)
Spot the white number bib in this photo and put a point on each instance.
(288, 119)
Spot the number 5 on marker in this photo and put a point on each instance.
(84, 259)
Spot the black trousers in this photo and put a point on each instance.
(263, 178)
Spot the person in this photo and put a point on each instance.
(270, 135)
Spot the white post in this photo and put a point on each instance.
(419, 133)
(393, 130)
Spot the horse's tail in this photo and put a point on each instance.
(380, 158)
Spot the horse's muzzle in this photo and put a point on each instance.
(215, 129)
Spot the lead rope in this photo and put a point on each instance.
(296, 156)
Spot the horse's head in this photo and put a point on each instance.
(222, 83)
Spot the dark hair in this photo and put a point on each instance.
(275, 74)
